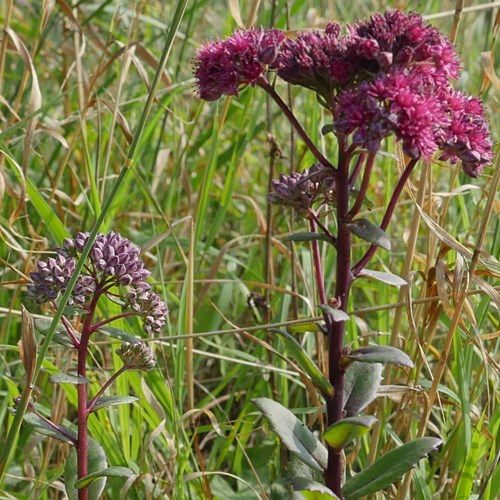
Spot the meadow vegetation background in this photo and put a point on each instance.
(74, 80)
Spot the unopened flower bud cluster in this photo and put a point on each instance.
(113, 267)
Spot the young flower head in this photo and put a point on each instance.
(136, 356)
(222, 67)
(466, 137)
(113, 267)
(301, 190)
(400, 103)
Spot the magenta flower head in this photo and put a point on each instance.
(328, 62)
(223, 67)
(113, 268)
(406, 40)
(466, 137)
(400, 103)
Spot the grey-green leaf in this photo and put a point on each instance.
(38, 424)
(97, 462)
(66, 378)
(118, 333)
(361, 383)
(368, 231)
(306, 363)
(312, 490)
(336, 314)
(389, 468)
(61, 337)
(297, 438)
(384, 277)
(380, 354)
(116, 471)
(112, 401)
(307, 237)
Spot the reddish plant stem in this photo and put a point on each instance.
(361, 264)
(263, 83)
(82, 447)
(336, 330)
(313, 217)
(364, 186)
(96, 327)
(94, 400)
(318, 269)
(357, 169)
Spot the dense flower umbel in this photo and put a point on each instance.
(301, 190)
(222, 67)
(386, 76)
(326, 62)
(113, 265)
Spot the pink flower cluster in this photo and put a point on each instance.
(222, 67)
(387, 76)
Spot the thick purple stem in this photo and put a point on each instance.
(296, 125)
(336, 330)
(387, 216)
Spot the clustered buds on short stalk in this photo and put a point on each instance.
(301, 191)
(136, 356)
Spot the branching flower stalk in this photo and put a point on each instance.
(114, 269)
(388, 76)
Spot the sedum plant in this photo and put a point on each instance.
(389, 76)
(112, 270)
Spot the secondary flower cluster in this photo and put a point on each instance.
(112, 265)
(136, 356)
(301, 190)
(387, 76)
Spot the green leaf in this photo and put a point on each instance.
(361, 383)
(384, 277)
(368, 231)
(327, 128)
(116, 471)
(297, 438)
(42, 325)
(380, 354)
(50, 429)
(389, 468)
(345, 430)
(336, 314)
(307, 237)
(66, 378)
(97, 463)
(112, 401)
(312, 490)
(305, 327)
(469, 469)
(306, 363)
(118, 333)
